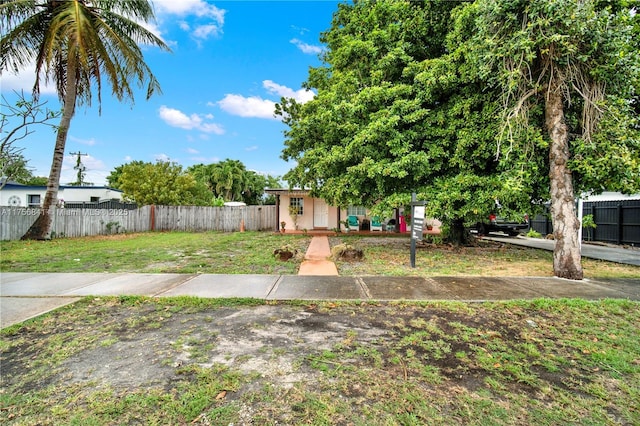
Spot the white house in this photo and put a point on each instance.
(19, 195)
(316, 214)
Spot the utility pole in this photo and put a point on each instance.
(81, 168)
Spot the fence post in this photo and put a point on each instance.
(152, 219)
(620, 227)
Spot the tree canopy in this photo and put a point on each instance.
(400, 108)
(231, 181)
(467, 103)
(161, 183)
(211, 184)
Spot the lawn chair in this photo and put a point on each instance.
(376, 225)
(391, 225)
(354, 224)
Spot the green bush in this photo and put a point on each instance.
(534, 234)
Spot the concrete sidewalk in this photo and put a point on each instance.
(26, 295)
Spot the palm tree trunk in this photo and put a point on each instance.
(41, 228)
(566, 254)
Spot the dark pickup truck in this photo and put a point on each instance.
(497, 224)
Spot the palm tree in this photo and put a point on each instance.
(230, 178)
(75, 43)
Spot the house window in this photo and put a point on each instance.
(94, 199)
(33, 200)
(296, 203)
(356, 211)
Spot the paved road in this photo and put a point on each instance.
(630, 256)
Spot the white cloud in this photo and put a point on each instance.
(204, 31)
(199, 8)
(251, 148)
(88, 142)
(161, 157)
(301, 96)
(309, 49)
(253, 106)
(210, 18)
(95, 172)
(301, 30)
(177, 118)
(192, 151)
(24, 81)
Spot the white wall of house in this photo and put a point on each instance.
(316, 214)
(25, 196)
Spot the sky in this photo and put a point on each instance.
(231, 61)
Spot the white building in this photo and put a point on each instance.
(19, 195)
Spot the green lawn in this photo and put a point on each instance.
(181, 252)
(252, 253)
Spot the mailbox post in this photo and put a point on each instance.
(417, 225)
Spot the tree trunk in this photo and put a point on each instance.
(458, 235)
(41, 228)
(566, 254)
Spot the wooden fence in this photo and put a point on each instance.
(70, 222)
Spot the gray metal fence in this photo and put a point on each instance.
(617, 222)
(79, 222)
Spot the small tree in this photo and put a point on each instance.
(589, 224)
(16, 123)
(293, 212)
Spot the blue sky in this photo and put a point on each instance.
(231, 61)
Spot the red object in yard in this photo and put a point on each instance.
(492, 218)
(403, 224)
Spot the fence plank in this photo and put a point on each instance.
(72, 222)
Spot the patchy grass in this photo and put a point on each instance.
(252, 253)
(389, 256)
(137, 360)
(181, 252)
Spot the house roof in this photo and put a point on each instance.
(15, 185)
(287, 191)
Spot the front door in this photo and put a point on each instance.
(320, 213)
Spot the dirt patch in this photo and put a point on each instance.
(292, 357)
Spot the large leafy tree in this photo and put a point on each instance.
(76, 44)
(160, 183)
(567, 71)
(449, 100)
(400, 109)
